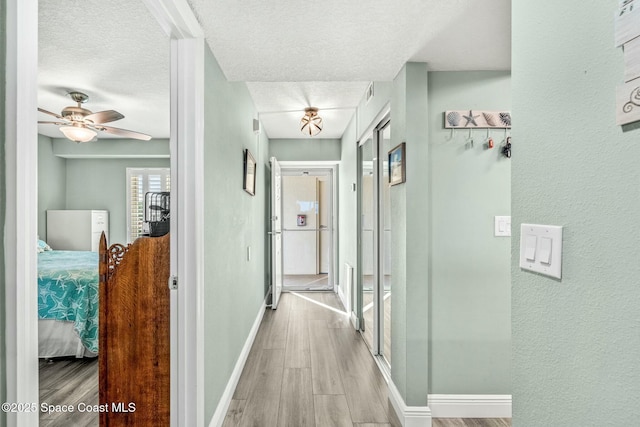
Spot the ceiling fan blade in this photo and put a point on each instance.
(123, 132)
(104, 116)
(53, 123)
(51, 114)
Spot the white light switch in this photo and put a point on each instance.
(530, 248)
(541, 249)
(502, 226)
(545, 250)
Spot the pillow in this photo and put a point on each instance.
(42, 246)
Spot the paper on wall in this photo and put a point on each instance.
(627, 22)
(628, 103)
(632, 59)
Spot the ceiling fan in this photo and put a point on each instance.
(80, 125)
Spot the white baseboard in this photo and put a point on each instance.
(225, 400)
(470, 405)
(409, 416)
(355, 321)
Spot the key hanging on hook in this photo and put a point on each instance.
(506, 150)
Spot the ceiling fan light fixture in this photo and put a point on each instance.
(78, 133)
(311, 122)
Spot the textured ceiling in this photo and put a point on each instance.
(281, 105)
(337, 40)
(114, 51)
(293, 55)
(338, 46)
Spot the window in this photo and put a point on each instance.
(139, 182)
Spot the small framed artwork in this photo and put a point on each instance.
(397, 162)
(249, 181)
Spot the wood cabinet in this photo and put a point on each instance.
(76, 230)
(134, 346)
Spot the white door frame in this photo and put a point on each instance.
(21, 155)
(187, 250)
(333, 166)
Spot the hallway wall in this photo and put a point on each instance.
(576, 340)
(234, 220)
(305, 149)
(410, 237)
(450, 316)
(470, 339)
(347, 216)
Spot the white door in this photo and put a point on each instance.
(276, 233)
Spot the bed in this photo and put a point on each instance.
(67, 303)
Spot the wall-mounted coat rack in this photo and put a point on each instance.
(477, 119)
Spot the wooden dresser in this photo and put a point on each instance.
(134, 346)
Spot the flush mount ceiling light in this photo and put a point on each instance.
(78, 133)
(311, 122)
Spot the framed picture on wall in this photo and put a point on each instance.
(249, 181)
(397, 161)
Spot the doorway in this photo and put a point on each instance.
(187, 82)
(308, 232)
(374, 280)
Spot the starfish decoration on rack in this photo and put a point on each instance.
(471, 118)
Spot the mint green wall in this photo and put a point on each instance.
(3, 364)
(102, 184)
(347, 205)
(93, 176)
(52, 182)
(367, 111)
(234, 220)
(575, 341)
(470, 345)
(410, 237)
(312, 149)
(450, 324)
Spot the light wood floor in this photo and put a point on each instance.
(309, 367)
(306, 282)
(69, 381)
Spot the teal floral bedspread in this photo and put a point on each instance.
(68, 290)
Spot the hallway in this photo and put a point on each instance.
(309, 367)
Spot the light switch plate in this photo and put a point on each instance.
(541, 235)
(502, 226)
